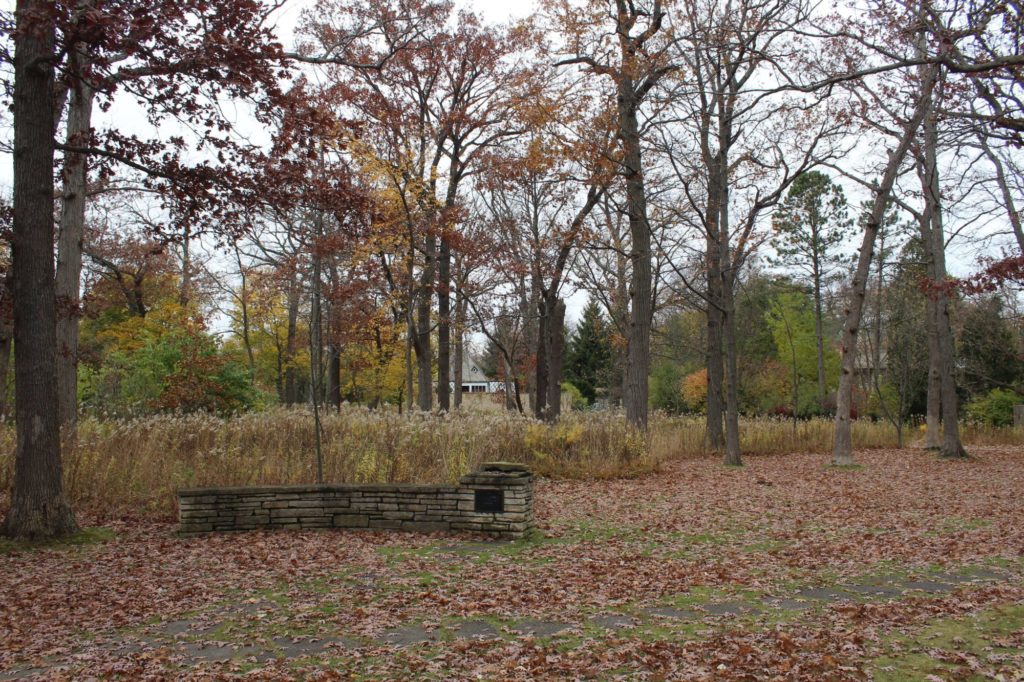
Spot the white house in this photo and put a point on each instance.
(473, 378)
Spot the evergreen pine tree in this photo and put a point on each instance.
(810, 227)
(590, 356)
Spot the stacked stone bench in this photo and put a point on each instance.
(496, 500)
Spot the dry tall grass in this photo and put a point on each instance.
(673, 437)
(135, 465)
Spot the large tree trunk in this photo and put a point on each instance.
(935, 248)
(444, 325)
(279, 376)
(316, 346)
(6, 342)
(5, 368)
(38, 507)
(618, 312)
(334, 377)
(842, 445)
(444, 285)
(410, 325)
(540, 382)
(729, 275)
(933, 410)
(529, 302)
(424, 359)
(555, 352)
(952, 447)
(732, 401)
(460, 325)
(714, 436)
(457, 378)
(639, 337)
(70, 241)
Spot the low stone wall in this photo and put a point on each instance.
(497, 500)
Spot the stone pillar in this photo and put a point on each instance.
(1018, 416)
(502, 502)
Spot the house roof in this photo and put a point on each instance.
(471, 370)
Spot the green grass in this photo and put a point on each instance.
(84, 537)
(993, 632)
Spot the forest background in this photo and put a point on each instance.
(755, 206)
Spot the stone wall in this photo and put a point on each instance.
(496, 500)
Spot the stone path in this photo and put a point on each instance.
(192, 641)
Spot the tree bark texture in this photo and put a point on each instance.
(732, 400)
(935, 249)
(70, 240)
(422, 346)
(444, 325)
(316, 347)
(6, 343)
(540, 381)
(728, 307)
(458, 340)
(39, 508)
(639, 337)
(933, 405)
(555, 355)
(334, 377)
(714, 436)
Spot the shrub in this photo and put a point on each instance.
(994, 409)
(166, 362)
(575, 397)
(694, 390)
(666, 382)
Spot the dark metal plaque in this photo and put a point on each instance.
(489, 501)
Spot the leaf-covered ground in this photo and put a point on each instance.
(904, 568)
